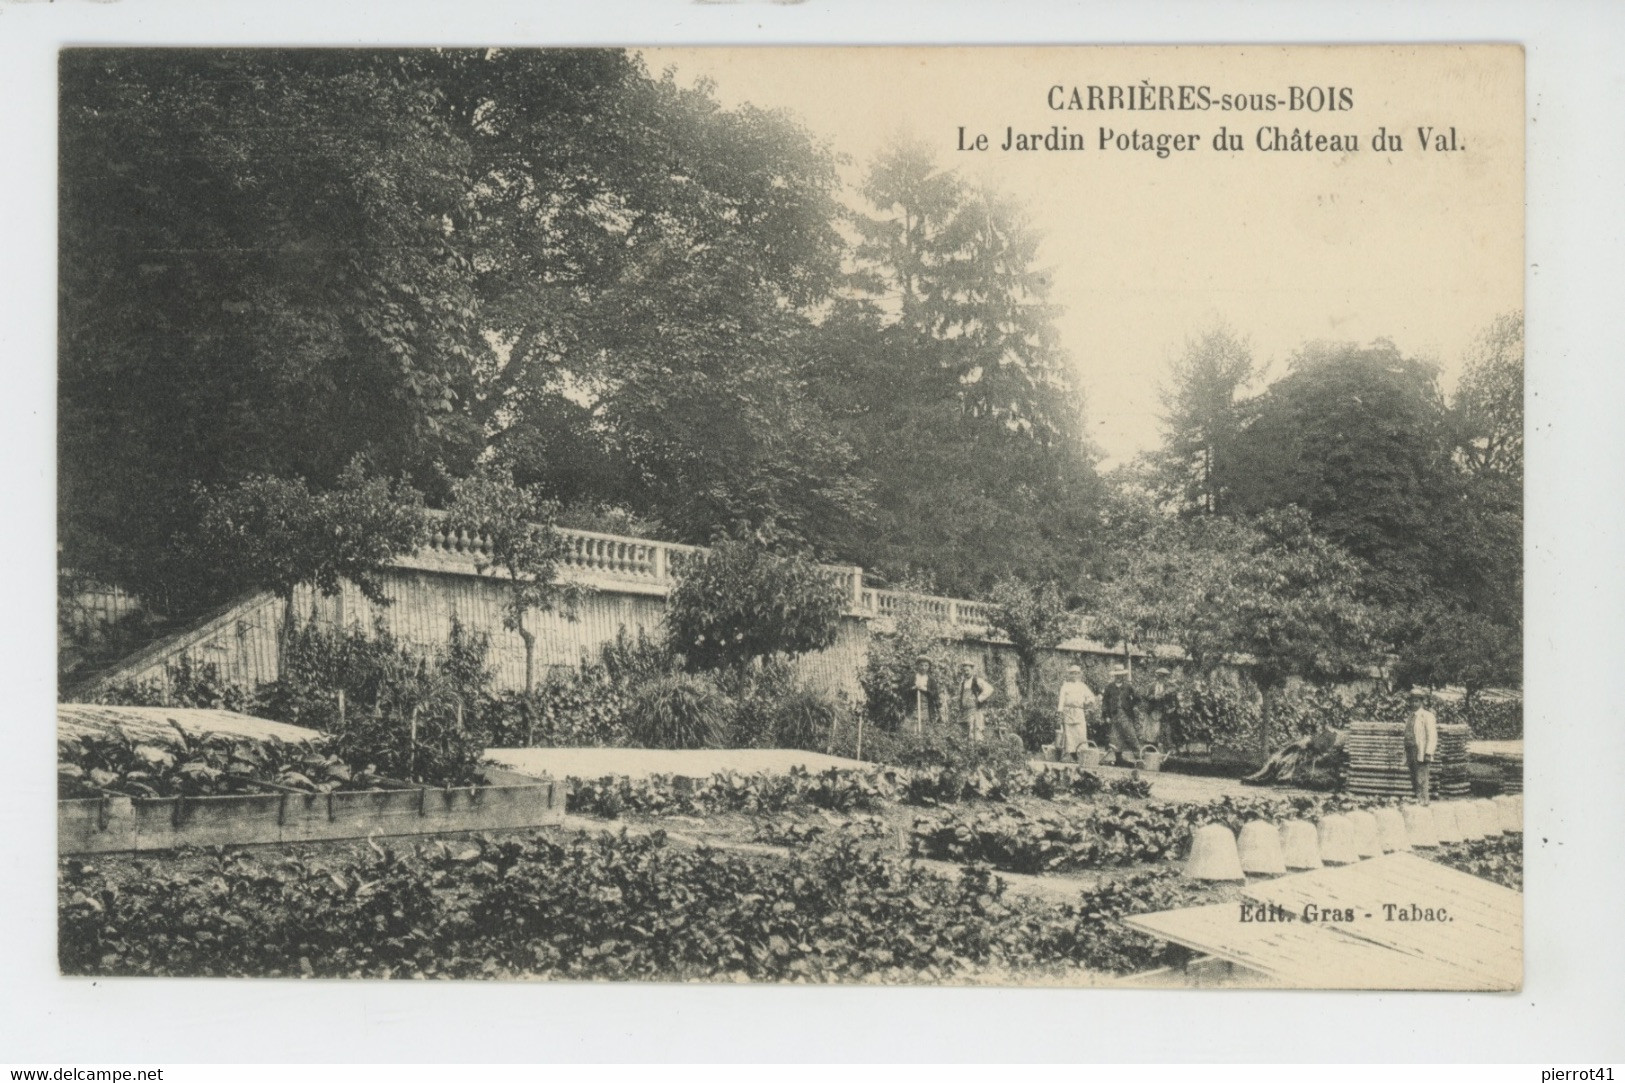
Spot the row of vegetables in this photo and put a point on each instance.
(209, 765)
(836, 790)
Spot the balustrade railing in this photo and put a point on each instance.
(589, 555)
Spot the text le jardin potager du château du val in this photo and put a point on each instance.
(1327, 133)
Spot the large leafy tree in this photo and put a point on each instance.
(645, 259)
(1489, 402)
(262, 274)
(275, 260)
(1269, 594)
(1358, 438)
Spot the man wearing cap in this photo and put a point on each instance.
(1421, 743)
(1121, 705)
(973, 693)
(927, 697)
(1076, 702)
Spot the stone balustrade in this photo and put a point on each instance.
(652, 566)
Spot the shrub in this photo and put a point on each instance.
(740, 602)
(754, 693)
(1035, 723)
(681, 710)
(1490, 720)
(401, 713)
(1208, 710)
(627, 661)
(804, 719)
(580, 708)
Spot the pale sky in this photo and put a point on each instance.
(1424, 248)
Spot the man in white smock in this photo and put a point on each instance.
(1077, 701)
(1421, 744)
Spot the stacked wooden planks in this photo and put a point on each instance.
(1377, 762)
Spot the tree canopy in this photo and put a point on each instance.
(941, 368)
(276, 260)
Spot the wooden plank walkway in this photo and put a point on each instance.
(1457, 932)
(1477, 926)
(1296, 954)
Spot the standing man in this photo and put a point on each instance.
(1077, 701)
(973, 693)
(1122, 708)
(927, 696)
(1421, 744)
(1159, 707)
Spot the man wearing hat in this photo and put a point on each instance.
(1421, 743)
(927, 700)
(1121, 706)
(974, 692)
(1076, 702)
(1159, 707)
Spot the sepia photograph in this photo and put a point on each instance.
(995, 516)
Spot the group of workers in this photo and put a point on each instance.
(969, 697)
(1130, 719)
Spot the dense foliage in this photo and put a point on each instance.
(271, 533)
(924, 784)
(941, 367)
(1426, 494)
(766, 791)
(383, 703)
(213, 765)
(741, 602)
(418, 257)
(682, 710)
(1498, 858)
(1491, 720)
(592, 908)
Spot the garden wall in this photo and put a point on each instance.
(630, 580)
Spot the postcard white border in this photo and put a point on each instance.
(1576, 753)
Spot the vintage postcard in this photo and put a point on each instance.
(997, 516)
